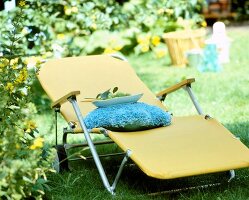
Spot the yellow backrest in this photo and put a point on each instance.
(90, 75)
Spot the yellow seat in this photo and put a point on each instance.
(190, 146)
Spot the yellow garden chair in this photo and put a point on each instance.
(191, 145)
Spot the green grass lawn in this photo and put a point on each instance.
(222, 95)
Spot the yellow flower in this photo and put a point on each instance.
(68, 11)
(22, 76)
(32, 61)
(160, 53)
(38, 143)
(160, 11)
(204, 24)
(93, 17)
(3, 62)
(13, 61)
(47, 54)
(31, 125)
(139, 39)
(114, 43)
(109, 50)
(61, 36)
(20, 79)
(145, 48)
(22, 3)
(27, 60)
(155, 40)
(14, 66)
(94, 26)
(9, 87)
(118, 47)
(74, 9)
(169, 11)
(143, 39)
(28, 130)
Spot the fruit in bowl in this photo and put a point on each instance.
(110, 94)
(113, 97)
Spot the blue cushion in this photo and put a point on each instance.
(128, 117)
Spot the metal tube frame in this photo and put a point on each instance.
(194, 100)
(69, 146)
(200, 112)
(95, 155)
(231, 175)
(56, 110)
(124, 161)
(70, 130)
(100, 155)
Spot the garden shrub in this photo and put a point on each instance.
(153, 18)
(23, 160)
(64, 27)
(241, 8)
(81, 27)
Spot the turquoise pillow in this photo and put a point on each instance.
(128, 117)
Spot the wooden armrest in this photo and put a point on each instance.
(175, 87)
(63, 99)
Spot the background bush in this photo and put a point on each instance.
(81, 27)
(241, 7)
(23, 159)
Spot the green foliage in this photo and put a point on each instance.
(65, 27)
(161, 16)
(154, 18)
(81, 27)
(22, 159)
(241, 8)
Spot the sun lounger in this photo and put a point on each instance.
(191, 145)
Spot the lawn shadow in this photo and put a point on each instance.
(135, 182)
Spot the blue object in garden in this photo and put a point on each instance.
(195, 58)
(128, 117)
(210, 59)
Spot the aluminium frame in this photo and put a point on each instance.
(96, 157)
(198, 108)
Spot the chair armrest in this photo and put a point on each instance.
(175, 87)
(60, 101)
